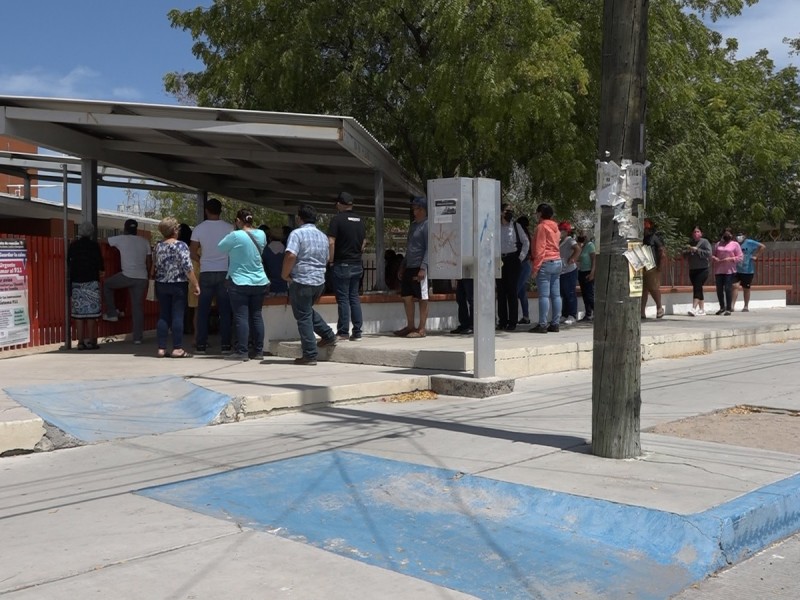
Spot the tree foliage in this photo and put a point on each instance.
(482, 87)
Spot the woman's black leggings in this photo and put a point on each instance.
(725, 291)
(698, 278)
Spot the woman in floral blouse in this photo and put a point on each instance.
(172, 269)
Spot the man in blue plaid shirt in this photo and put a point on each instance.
(304, 269)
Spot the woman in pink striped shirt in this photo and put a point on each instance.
(726, 256)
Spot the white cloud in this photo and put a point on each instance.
(80, 82)
(764, 25)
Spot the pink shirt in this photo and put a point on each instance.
(728, 256)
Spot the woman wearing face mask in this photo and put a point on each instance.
(726, 256)
(698, 253)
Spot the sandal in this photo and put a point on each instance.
(161, 353)
(416, 334)
(180, 354)
(403, 332)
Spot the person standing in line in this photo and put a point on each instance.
(746, 270)
(524, 275)
(514, 247)
(190, 318)
(347, 238)
(465, 294)
(569, 250)
(86, 266)
(272, 257)
(698, 253)
(247, 284)
(726, 256)
(546, 270)
(213, 272)
(172, 271)
(652, 278)
(586, 267)
(304, 269)
(136, 261)
(413, 271)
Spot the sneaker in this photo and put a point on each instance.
(240, 356)
(524, 321)
(745, 309)
(562, 319)
(587, 318)
(460, 330)
(720, 311)
(660, 313)
(569, 320)
(259, 356)
(324, 343)
(509, 328)
(727, 313)
(700, 312)
(304, 360)
(137, 342)
(538, 329)
(200, 349)
(553, 328)
(110, 319)
(225, 350)
(355, 338)
(342, 337)
(692, 312)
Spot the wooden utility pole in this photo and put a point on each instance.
(616, 375)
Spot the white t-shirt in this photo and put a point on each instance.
(208, 234)
(133, 253)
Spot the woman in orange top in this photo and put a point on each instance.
(546, 269)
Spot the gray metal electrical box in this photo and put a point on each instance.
(449, 227)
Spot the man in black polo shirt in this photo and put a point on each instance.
(347, 238)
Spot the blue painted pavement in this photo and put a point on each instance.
(488, 538)
(94, 411)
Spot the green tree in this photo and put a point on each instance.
(461, 87)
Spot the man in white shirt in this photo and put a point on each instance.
(213, 272)
(135, 260)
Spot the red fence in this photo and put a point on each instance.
(46, 287)
(773, 267)
(47, 291)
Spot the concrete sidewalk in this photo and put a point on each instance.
(378, 366)
(447, 498)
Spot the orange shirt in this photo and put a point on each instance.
(546, 240)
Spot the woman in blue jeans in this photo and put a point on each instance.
(172, 269)
(247, 284)
(547, 270)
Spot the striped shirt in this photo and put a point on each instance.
(310, 246)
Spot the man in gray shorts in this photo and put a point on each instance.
(414, 271)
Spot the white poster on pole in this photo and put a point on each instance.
(15, 325)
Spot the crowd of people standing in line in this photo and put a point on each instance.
(235, 266)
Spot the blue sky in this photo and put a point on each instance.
(121, 49)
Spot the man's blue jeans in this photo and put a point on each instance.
(247, 302)
(569, 294)
(346, 280)
(213, 285)
(549, 290)
(308, 320)
(138, 290)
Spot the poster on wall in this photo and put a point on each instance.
(15, 324)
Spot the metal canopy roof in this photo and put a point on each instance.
(275, 160)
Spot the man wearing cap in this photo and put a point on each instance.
(570, 251)
(307, 252)
(746, 270)
(135, 263)
(213, 272)
(347, 238)
(413, 271)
